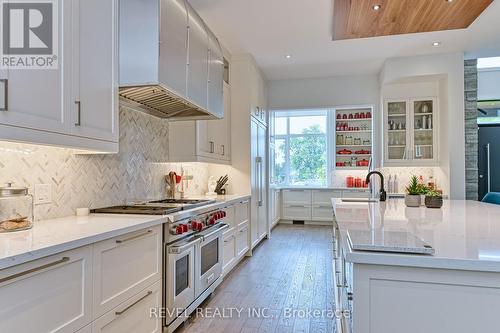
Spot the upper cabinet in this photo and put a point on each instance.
(203, 140)
(74, 105)
(410, 132)
(171, 64)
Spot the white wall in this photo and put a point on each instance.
(451, 66)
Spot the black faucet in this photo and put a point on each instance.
(383, 193)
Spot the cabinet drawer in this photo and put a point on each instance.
(125, 265)
(324, 196)
(322, 213)
(229, 252)
(355, 194)
(242, 240)
(52, 294)
(297, 197)
(241, 212)
(297, 212)
(133, 315)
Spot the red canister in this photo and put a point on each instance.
(349, 181)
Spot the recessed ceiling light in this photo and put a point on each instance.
(288, 56)
(377, 7)
(436, 44)
(448, 0)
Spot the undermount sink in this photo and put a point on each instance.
(364, 200)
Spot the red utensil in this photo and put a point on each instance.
(178, 179)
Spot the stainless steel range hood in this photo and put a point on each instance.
(171, 64)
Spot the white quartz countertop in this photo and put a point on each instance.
(48, 237)
(325, 188)
(464, 234)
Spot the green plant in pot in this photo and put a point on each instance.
(433, 199)
(413, 192)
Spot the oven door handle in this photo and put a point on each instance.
(177, 249)
(222, 227)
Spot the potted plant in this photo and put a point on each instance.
(413, 192)
(433, 199)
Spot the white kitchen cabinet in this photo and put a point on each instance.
(242, 237)
(410, 132)
(125, 265)
(229, 251)
(95, 73)
(355, 194)
(274, 206)
(75, 105)
(259, 227)
(297, 197)
(297, 212)
(203, 140)
(52, 294)
(133, 315)
(324, 197)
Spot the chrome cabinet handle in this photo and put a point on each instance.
(212, 149)
(79, 113)
(6, 94)
(223, 150)
(33, 270)
(118, 313)
(121, 241)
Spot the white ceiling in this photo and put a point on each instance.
(270, 29)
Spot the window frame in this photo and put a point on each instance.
(326, 112)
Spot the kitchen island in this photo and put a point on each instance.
(455, 290)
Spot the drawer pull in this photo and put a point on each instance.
(243, 230)
(36, 269)
(120, 241)
(118, 313)
(6, 95)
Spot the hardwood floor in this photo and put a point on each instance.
(292, 270)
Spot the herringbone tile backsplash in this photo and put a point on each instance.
(135, 173)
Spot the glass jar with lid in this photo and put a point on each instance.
(16, 208)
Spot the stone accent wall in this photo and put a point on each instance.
(471, 130)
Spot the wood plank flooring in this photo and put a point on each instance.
(292, 270)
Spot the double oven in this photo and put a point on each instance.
(192, 264)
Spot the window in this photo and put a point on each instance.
(299, 147)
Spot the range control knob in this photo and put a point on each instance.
(179, 230)
(185, 228)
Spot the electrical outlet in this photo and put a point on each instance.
(43, 194)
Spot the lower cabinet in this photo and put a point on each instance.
(52, 294)
(242, 240)
(109, 286)
(134, 315)
(237, 237)
(229, 251)
(315, 205)
(125, 265)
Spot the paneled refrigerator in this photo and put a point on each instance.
(259, 181)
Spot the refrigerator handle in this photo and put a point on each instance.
(258, 166)
(488, 166)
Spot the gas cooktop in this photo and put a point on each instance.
(159, 207)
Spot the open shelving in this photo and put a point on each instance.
(360, 137)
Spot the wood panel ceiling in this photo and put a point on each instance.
(358, 19)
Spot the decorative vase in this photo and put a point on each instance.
(412, 200)
(433, 202)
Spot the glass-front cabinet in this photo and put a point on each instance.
(410, 131)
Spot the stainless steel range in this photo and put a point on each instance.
(193, 245)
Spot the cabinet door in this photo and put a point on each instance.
(95, 104)
(424, 114)
(229, 251)
(241, 214)
(39, 98)
(173, 46)
(218, 132)
(205, 145)
(52, 294)
(124, 266)
(297, 197)
(397, 125)
(277, 206)
(215, 77)
(242, 240)
(134, 315)
(197, 84)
